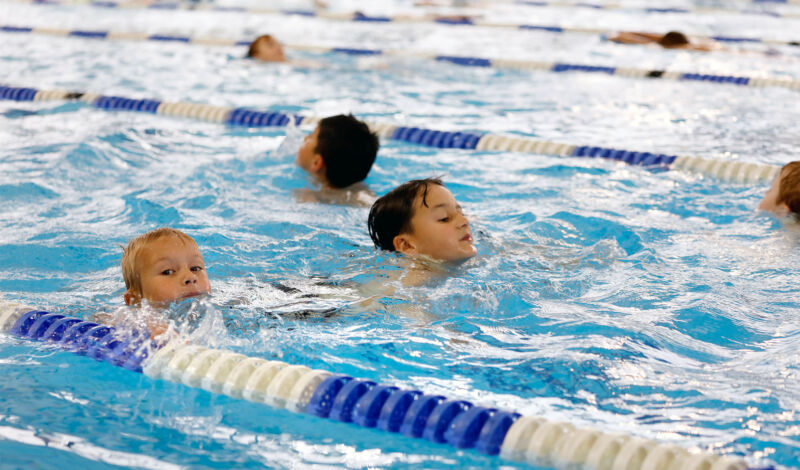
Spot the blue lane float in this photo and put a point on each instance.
(360, 402)
(17, 93)
(100, 342)
(439, 139)
(632, 158)
(116, 103)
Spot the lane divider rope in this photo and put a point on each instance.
(361, 402)
(725, 170)
(400, 19)
(430, 18)
(717, 9)
(745, 2)
(544, 66)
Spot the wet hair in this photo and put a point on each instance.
(130, 254)
(789, 190)
(673, 39)
(391, 214)
(347, 147)
(251, 52)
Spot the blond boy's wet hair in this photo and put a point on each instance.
(131, 254)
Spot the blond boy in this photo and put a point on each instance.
(163, 266)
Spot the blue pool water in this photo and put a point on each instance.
(657, 304)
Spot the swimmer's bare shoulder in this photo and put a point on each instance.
(355, 195)
(385, 283)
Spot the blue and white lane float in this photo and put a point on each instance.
(358, 16)
(725, 170)
(543, 66)
(361, 402)
(405, 19)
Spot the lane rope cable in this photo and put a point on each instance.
(725, 170)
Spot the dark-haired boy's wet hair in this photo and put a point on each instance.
(391, 214)
(347, 147)
(789, 190)
(673, 39)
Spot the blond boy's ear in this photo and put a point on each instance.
(132, 298)
(404, 244)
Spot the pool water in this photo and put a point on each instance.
(652, 303)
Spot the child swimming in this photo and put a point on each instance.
(339, 152)
(159, 267)
(338, 155)
(783, 197)
(421, 218)
(671, 40)
(267, 49)
(163, 266)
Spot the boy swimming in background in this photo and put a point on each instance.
(267, 49)
(338, 155)
(671, 40)
(421, 218)
(783, 197)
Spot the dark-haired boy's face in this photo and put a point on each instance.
(438, 228)
(307, 157)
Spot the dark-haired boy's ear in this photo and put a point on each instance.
(132, 298)
(403, 244)
(318, 164)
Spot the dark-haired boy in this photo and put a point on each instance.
(338, 154)
(421, 217)
(340, 151)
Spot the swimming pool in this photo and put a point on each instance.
(657, 304)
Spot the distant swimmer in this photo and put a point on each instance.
(671, 40)
(267, 49)
(783, 197)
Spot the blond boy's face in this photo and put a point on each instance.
(169, 269)
(770, 201)
(438, 230)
